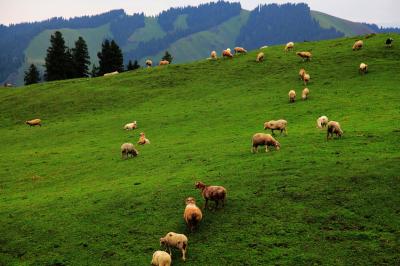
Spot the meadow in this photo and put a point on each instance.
(67, 198)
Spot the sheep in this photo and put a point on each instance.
(192, 213)
(131, 126)
(363, 69)
(240, 50)
(111, 73)
(214, 55)
(322, 122)
(128, 148)
(292, 96)
(306, 78)
(264, 47)
(214, 193)
(149, 63)
(261, 139)
(305, 55)
(174, 240)
(227, 53)
(301, 73)
(304, 94)
(289, 46)
(163, 63)
(161, 258)
(34, 122)
(333, 127)
(358, 45)
(276, 125)
(260, 57)
(389, 42)
(143, 140)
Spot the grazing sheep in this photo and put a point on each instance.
(306, 79)
(304, 94)
(264, 47)
(240, 50)
(389, 42)
(149, 63)
(214, 193)
(301, 73)
(163, 63)
(292, 96)
(128, 148)
(34, 122)
(334, 128)
(260, 57)
(192, 213)
(131, 126)
(214, 55)
(305, 55)
(143, 140)
(111, 73)
(261, 139)
(161, 258)
(363, 68)
(289, 46)
(276, 125)
(358, 45)
(322, 122)
(227, 53)
(174, 240)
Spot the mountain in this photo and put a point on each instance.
(189, 33)
(67, 197)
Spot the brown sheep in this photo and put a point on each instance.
(301, 73)
(260, 57)
(358, 45)
(292, 96)
(213, 55)
(333, 127)
(240, 50)
(304, 94)
(214, 193)
(192, 213)
(289, 46)
(306, 79)
(227, 53)
(163, 63)
(128, 148)
(363, 68)
(143, 140)
(276, 125)
(305, 55)
(261, 139)
(34, 122)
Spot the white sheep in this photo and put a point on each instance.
(322, 122)
(289, 46)
(260, 57)
(161, 258)
(292, 96)
(304, 94)
(174, 240)
(280, 124)
(131, 126)
(363, 68)
(261, 139)
(128, 148)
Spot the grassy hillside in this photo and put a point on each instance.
(67, 198)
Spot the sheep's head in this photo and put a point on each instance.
(267, 125)
(200, 185)
(163, 241)
(190, 200)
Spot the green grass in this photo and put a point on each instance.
(68, 198)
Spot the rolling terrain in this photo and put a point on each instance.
(67, 198)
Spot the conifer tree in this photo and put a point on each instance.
(81, 58)
(56, 58)
(110, 58)
(167, 56)
(32, 75)
(129, 67)
(136, 65)
(95, 71)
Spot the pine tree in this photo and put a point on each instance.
(56, 58)
(95, 71)
(110, 58)
(81, 58)
(129, 67)
(167, 56)
(32, 75)
(136, 65)
(69, 67)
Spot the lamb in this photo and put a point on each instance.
(260, 57)
(305, 55)
(192, 213)
(358, 45)
(149, 63)
(292, 96)
(227, 53)
(111, 73)
(389, 42)
(174, 240)
(163, 63)
(143, 140)
(301, 73)
(289, 46)
(304, 94)
(131, 126)
(34, 122)
(161, 258)
(306, 78)
(333, 127)
(322, 122)
(240, 50)
(363, 69)
(214, 55)
(214, 193)
(261, 139)
(276, 125)
(128, 148)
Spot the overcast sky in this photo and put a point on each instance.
(382, 12)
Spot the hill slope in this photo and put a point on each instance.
(68, 199)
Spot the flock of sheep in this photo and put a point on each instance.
(192, 213)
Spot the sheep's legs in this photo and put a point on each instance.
(206, 204)
(184, 254)
(266, 148)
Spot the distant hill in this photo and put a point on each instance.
(188, 33)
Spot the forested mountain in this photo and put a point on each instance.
(189, 33)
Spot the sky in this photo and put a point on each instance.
(381, 12)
